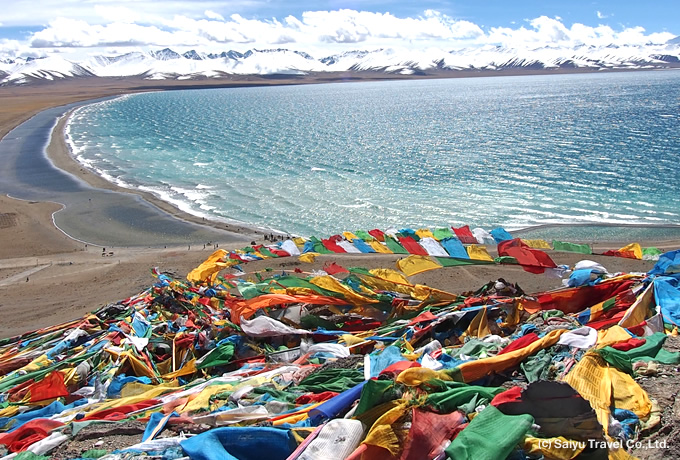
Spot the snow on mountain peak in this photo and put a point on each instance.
(170, 64)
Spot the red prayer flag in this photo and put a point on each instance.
(52, 386)
(332, 246)
(412, 246)
(28, 433)
(531, 260)
(377, 234)
(520, 343)
(464, 235)
(332, 268)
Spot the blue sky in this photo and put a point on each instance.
(40, 27)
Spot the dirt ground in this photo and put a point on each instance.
(663, 442)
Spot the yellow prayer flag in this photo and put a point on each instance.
(379, 247)
(639, 311)
(416, 376)
(479, 326)
(611, 336)
(537, 244)
(475, 370)
(383, 433)
(478, 253)
(634, 248)
(331, 284)
(351, 340)
(414, 264)
(188, 369)
(601, 385)
(390, 275)
(208, 267)
(558, 448)
(350, 236)
(308, 257)
(424, 233)
(201, 401)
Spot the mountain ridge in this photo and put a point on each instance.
(168, 64)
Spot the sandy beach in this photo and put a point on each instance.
(47, 277)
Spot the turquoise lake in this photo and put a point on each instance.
(319, 159)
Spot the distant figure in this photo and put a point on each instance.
(27, 279)
(189, 248)
(103, 250)
(217, 245)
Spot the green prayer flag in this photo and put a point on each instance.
(506, 260)
(571, 247)
(337, 380)
(458, 394)
(251, 290)
(443, 233)
(453, 261)
(650, 253)
(26, 455)
(218, 356)
(364, 235)
(321, 249)
(394, 246)
(536, 367)
(651, 350)
(293, 281)
(373, 393)
(491, 435)
(266, 252)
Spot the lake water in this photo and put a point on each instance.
(320, 159)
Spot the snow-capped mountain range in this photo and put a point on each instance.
(167, 64)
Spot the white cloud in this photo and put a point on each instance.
(318, 32)
(548, 31)
(112, 14)
(349, 26)
(74, 33)
(9, 46)
(40, 12)
(210, 14)
(601, 15)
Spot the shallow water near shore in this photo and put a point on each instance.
(506, 151)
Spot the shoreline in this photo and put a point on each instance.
(60, 154)
(93, 211)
